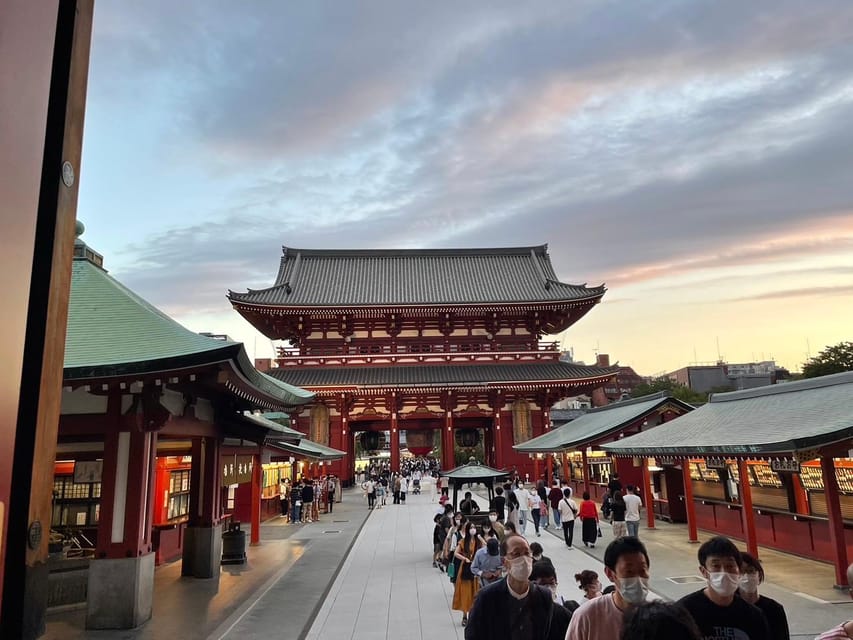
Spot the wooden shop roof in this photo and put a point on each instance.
(776, 419)
(379, 278)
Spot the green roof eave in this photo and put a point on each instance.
(473, 471)
(309, 449)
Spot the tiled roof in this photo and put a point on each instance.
(596, 423)
(310, 449)
(439, 375)
(780, 418)
(113, 332)
(341, 278)
(473, 471)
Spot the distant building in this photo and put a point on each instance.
(729, 377)
(616, 389)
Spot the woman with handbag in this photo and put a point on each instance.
(467, 584)
(588, 513)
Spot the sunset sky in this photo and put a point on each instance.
(696, 157)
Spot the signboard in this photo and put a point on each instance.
(244, 465)
(667, 461)
(785, 465)
(229, 471)
(88, 471)
(716, 463)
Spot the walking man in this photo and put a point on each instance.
(633, 504)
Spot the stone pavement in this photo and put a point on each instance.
(368, 575)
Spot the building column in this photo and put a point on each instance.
(536, 468)
(801, 498)
(549, 469)
(747, 513)
(836, 524)
(567, 471)
(202, 547)
(121, 577)
(256, 500)
(585, 464)
(488, 447)
(650, 494)
(448, 460)
(689, 506)
(395, 442)
(498, 437)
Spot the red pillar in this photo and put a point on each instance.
(448, 461)
(585, 464)
(649, 494)
(127, 505)
(535, 468)
(395, 442)
(801, 499)
(836, 524)
(747, 512)
(690, 507)
(499, 454)
(549, 469)
(567, 475)
(256, 500)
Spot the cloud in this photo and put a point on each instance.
(785, 294)
(641, 140)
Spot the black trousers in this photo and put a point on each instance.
(569, 531)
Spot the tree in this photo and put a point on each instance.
(676, 390)
(834, 359)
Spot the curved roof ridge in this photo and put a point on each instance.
(845, 377)
(660, 395)
(541, 249)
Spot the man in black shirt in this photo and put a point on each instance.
(498, 503)
(718, 612)
(469, 506)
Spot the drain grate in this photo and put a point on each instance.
(686, 579)
(337, 521)
(332, 531)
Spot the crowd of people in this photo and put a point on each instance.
(302, 501)
(505, 587)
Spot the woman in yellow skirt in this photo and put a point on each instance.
(467, 583)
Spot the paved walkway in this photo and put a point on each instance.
(368, 575)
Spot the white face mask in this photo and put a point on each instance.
(458, 521)
(493, 518)
(520, 568)
(633, 590)
(472, 532)
(749, 583)
(723, 583)
(553, 589)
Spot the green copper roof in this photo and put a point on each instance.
(109, 324)
(112, 332)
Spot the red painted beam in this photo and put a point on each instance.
(648, 494)
(747, 512)
(690, 506)
(256, 500)
(836, 524)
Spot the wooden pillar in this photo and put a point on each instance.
(567, 471)
(747, 512)
(205, 483)
(536, 467)
(395, 442)
(689, 506)
(448, 460)
(836, 524)
(488, 447)
(585, 464)
(499, 455)
(126, 513)
(801, 498)
(649, 494)
(256, 499)
(549, 469)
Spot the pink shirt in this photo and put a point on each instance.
(836, 633)
(596, 619)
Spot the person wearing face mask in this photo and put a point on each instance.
(495, 526)
(545, 575)
(626, 564)
(467, 584)
(488, 563)
(514, 607)
(717, 611)
(752, 575)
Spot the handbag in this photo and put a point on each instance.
(599, 532)
(466, 571)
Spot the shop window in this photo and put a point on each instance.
(179, 494)
(75, 504)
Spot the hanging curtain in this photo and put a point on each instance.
(522, 430)
(320, 424)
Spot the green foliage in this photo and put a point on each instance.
(679, 391)
(834, 359)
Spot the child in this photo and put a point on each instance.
(437, 541)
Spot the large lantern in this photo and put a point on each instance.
(372, 440)
(420, 441)
(467, 438)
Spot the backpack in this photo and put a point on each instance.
(607, 506)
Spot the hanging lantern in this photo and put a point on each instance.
(372, 440)
(420, 441)
(467, 438)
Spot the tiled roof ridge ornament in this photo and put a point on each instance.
(82, 251)
(472, 461)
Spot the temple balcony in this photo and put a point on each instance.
(431, 353)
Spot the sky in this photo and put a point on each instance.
(695, 157)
